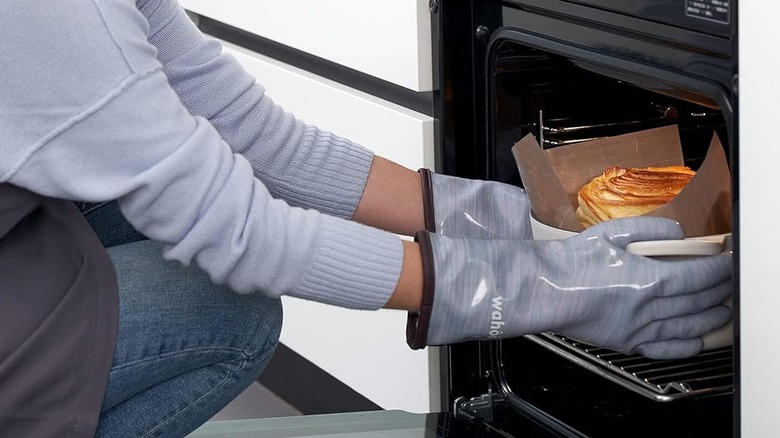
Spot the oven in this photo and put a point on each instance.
(569, 72)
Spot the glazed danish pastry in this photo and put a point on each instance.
(621, 192)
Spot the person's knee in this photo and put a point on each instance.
(179, 300)
(265, 314)
(269, 327)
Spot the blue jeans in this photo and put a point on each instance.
(186, 347)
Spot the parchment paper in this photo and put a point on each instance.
(553, 177)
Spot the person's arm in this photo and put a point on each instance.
(303, 164)
(408, 292)
(89, 115)
(392, 199)
(308, 166)
(404, 201)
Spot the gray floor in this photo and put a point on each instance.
(256, 402)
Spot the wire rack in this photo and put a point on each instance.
(709, 373)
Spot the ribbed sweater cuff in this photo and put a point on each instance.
(330, 177)
(355, 266)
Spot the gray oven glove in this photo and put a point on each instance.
(587, 287)
(459, 207)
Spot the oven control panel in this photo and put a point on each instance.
(708, 16)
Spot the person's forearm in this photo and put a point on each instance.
(408, 291)
(392, 199)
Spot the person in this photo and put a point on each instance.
(230, 203)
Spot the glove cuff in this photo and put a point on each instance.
(427, 197)
(417, 324)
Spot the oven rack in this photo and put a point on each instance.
(709, 373)
(562, 130)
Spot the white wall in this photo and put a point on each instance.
(759, 204)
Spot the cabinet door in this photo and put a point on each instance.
(390, 40)
(364, 350)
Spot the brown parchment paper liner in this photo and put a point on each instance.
(553, 177)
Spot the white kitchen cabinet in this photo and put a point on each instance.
(390, 40)
(364, 350)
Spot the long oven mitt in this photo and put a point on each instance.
(586, 287)
(459, 207)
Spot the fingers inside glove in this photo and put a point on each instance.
(626, 230)
(664, 333)
(681, 305)
(675, 349)
(695, 274)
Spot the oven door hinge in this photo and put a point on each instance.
(477, 408)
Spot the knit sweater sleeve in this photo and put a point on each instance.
(300, 163)
(88, 114)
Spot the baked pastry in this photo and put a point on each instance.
(621, 192)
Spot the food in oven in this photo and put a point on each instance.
(620, 192)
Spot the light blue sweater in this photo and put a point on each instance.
(104, 99)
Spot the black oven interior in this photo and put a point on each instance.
(562, 101)
(572, 400)
(563, 93)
